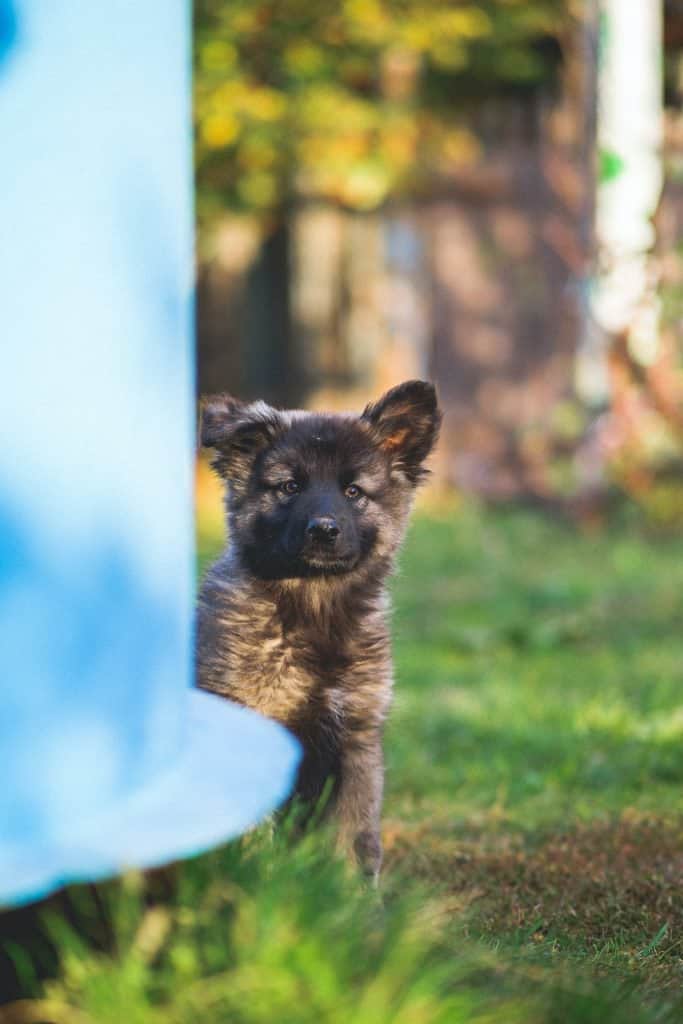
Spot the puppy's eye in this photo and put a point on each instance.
(290, 487)
(353, 492)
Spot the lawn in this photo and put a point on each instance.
(533, 821)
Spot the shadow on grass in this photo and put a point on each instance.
(607, 894)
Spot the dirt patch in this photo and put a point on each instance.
(608, 893)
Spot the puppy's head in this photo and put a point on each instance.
(311, 495)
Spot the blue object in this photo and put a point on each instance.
(108, 757)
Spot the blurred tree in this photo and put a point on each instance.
(353, 101)
(349, 101)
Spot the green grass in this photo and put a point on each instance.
(533, 821)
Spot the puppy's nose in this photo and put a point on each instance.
(323, 528)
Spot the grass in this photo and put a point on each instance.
(533, 821)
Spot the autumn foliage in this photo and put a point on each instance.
(353, 101)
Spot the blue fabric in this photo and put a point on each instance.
(8, 28)
(96, 444)
(233, 769)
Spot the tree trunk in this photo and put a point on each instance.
(270, 360)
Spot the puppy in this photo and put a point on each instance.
(292, 618)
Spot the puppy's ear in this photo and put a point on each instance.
(406, 422)
(236, 431)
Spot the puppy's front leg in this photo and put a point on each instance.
(359, 801)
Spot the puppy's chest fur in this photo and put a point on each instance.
(299, 656)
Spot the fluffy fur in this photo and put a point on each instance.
(292, 618)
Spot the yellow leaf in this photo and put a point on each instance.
(259, 189)
(264, 104)
(217, 55)
(219, 130)
(464, 23)
(366, 186)
(302, 58)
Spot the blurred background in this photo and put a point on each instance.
(487, 194)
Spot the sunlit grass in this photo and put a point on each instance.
(533, 819)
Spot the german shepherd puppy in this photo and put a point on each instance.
(292, 618)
